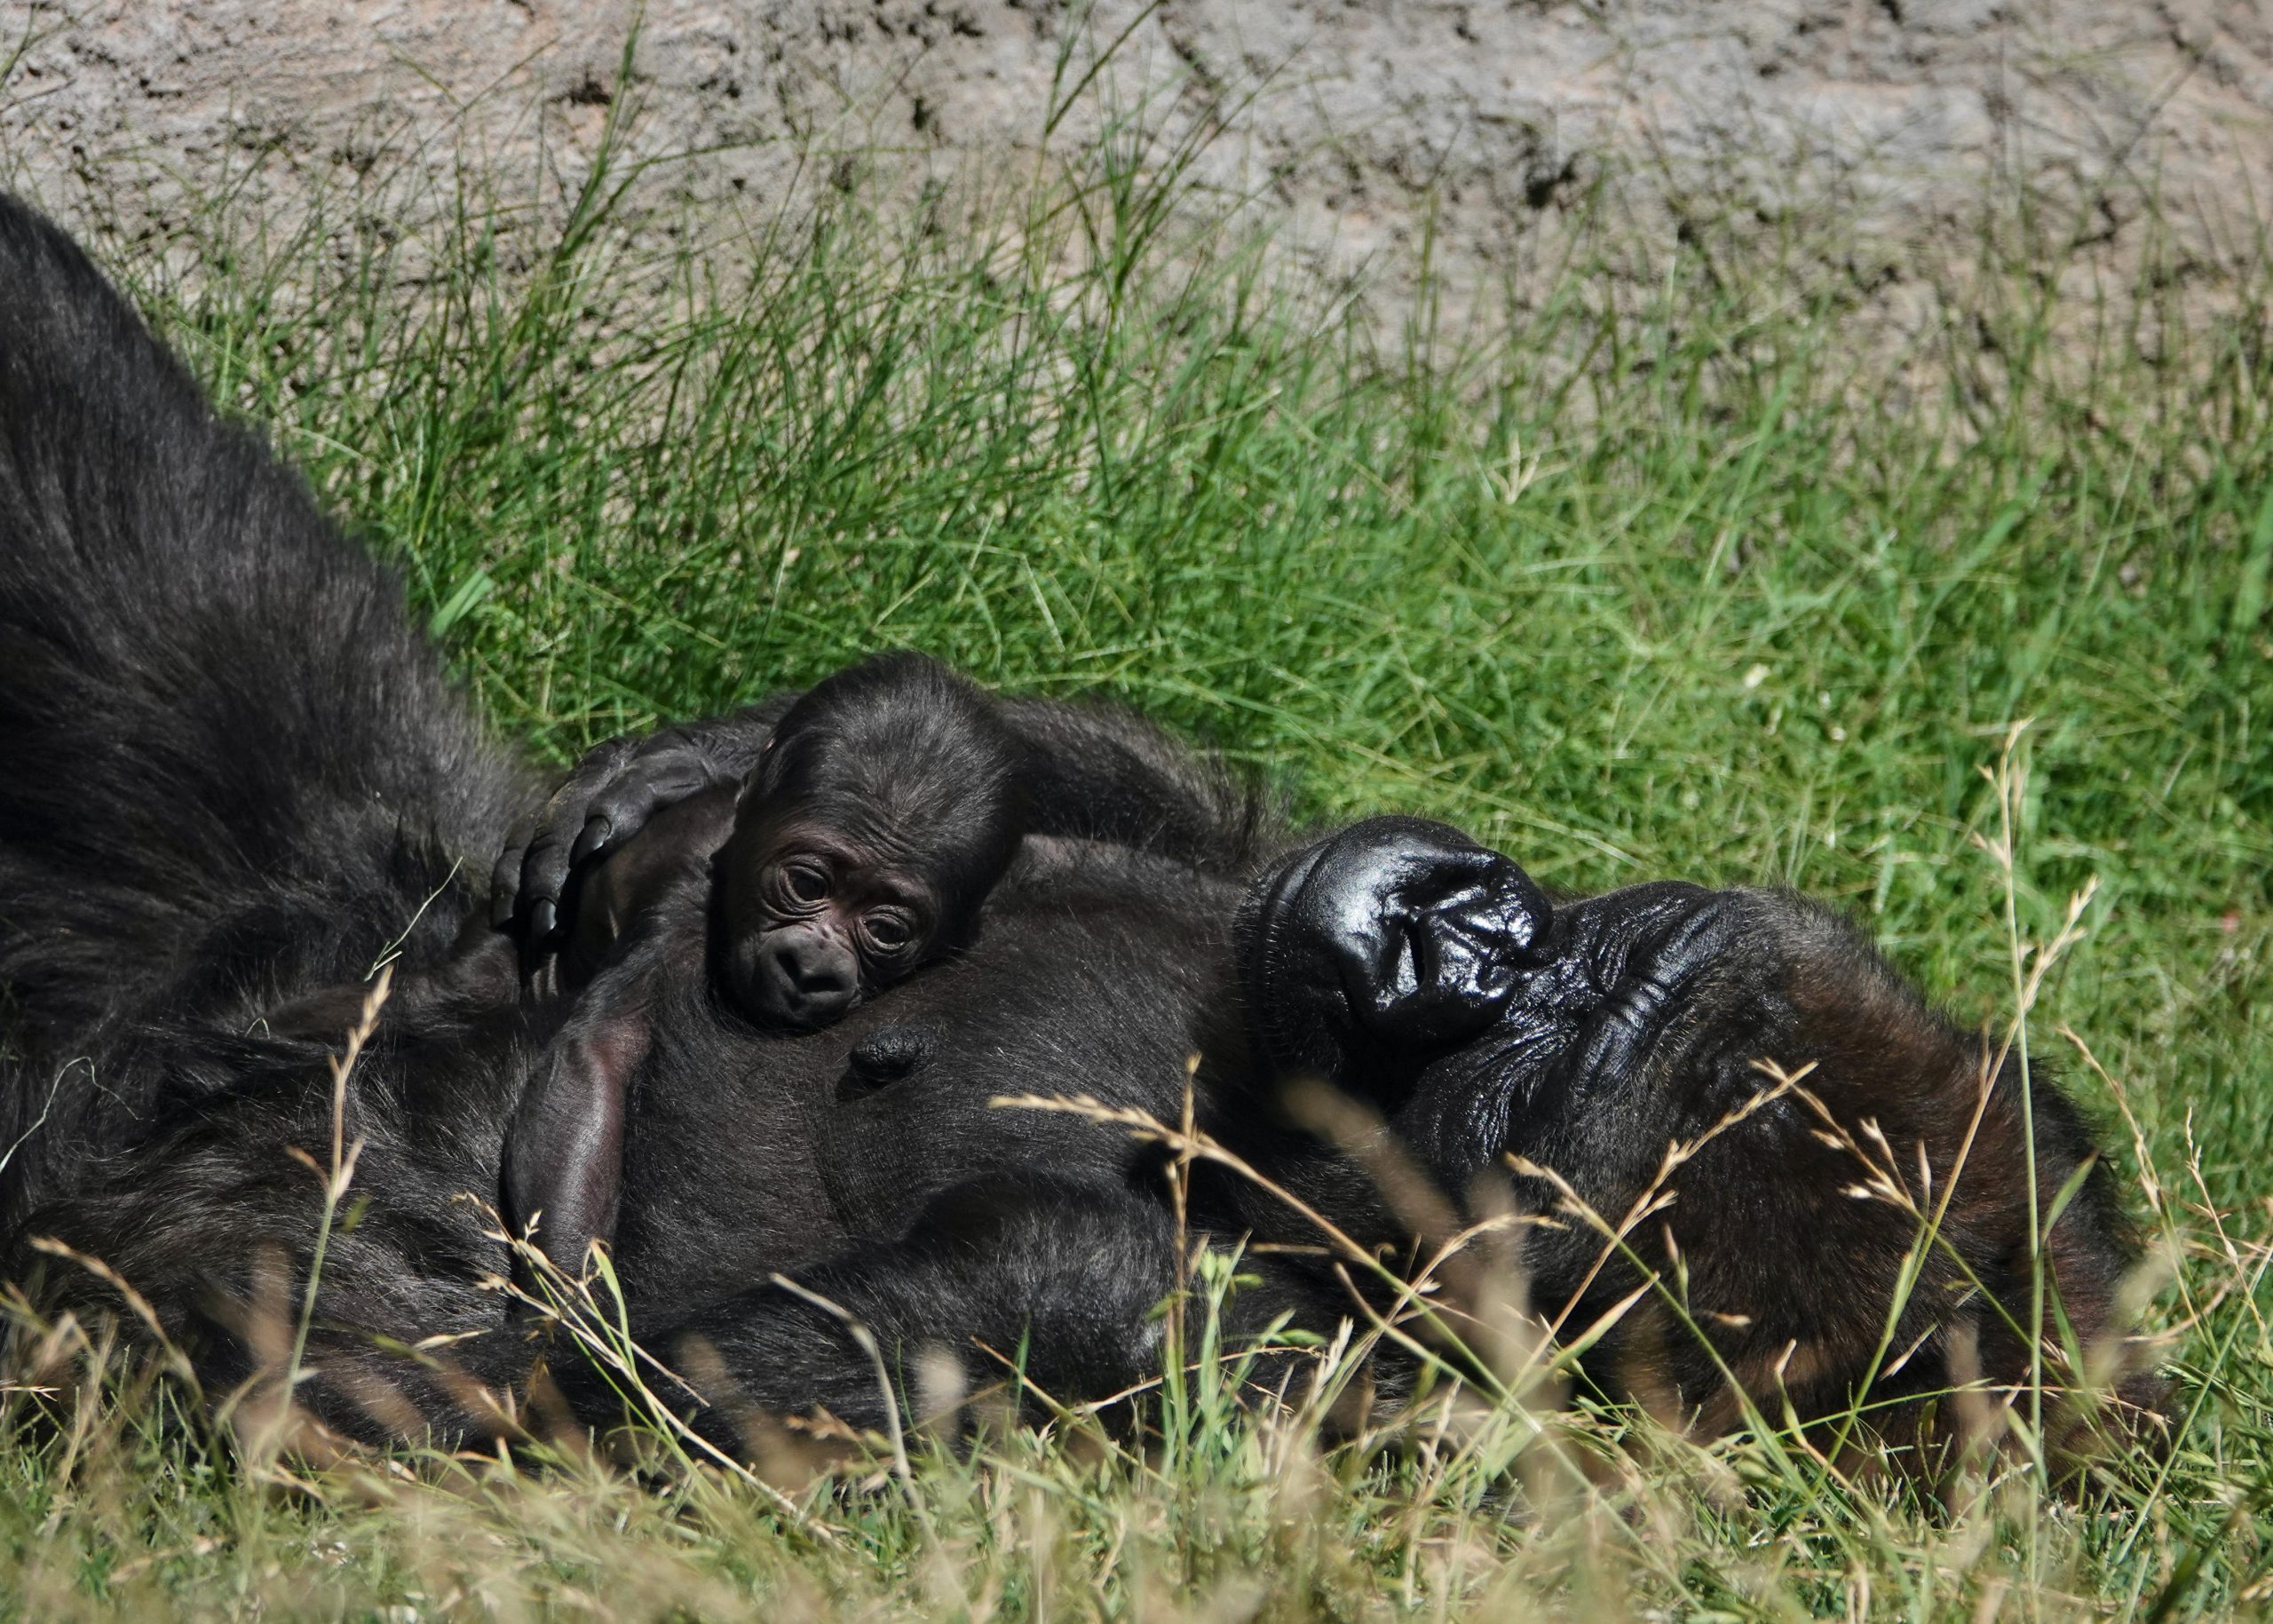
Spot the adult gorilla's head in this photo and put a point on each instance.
(1402, 963)
(1726, 1092)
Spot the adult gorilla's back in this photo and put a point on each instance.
(233, 773)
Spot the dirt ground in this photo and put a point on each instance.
(1354, 126)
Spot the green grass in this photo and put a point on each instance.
(1715, 579)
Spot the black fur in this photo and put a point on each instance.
(228, 757)
(234, 780)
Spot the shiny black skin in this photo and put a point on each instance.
(885, 806)
(237, 779)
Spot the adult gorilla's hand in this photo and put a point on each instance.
(607, 798)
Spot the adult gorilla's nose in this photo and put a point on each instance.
(1402, 935)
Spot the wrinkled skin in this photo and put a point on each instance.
(285, 779)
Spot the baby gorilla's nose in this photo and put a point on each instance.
(795, 976)
(815, 982)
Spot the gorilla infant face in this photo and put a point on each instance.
(820, 917)
(883, 811)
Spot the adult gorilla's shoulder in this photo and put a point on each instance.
(229, 755)
(238, 776)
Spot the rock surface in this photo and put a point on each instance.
(1353, 125)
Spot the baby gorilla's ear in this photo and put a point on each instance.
(564, 1150)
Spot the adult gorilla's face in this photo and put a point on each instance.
(1406, 965)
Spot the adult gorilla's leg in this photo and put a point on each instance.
(1060, 1278)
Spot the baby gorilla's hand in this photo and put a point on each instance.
(607, 798)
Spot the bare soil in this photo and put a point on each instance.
(1356, 128)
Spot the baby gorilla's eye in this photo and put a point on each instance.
(805, 881)
(887, 930)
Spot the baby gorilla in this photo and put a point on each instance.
(885, 807)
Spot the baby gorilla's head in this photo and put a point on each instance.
(886, 808)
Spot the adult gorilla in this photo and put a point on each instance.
(236, 780)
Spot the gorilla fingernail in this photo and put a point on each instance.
(597, 830)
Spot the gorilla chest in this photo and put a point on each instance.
(750, 1151)
(1006, 1060)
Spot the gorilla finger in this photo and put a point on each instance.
(504, 887)
(505, 878)
(563, 818)
(544, 875)
(567, 811)
(594, 838)
(646, 789)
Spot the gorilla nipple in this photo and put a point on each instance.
(884, 1057)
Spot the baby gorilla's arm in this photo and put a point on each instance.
(609, 797)
(1099, 772)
